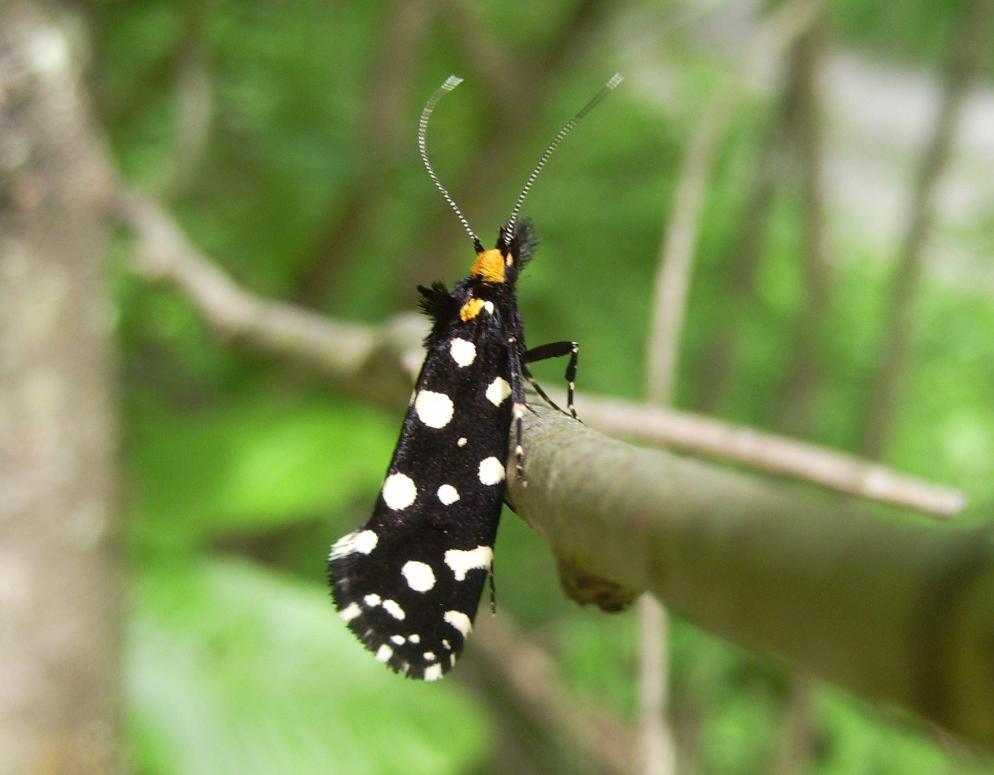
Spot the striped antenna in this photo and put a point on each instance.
(560, 136)
(450, 83)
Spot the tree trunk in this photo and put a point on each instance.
(60, 568)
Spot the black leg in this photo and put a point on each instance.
(556, 350)
(541, 392)
(518, 409)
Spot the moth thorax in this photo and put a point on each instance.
(489, 266)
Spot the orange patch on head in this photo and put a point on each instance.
(470, 309)
(489, 266)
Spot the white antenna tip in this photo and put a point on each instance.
(615, 80)
(451, 82)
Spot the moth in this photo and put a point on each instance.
(408, 582)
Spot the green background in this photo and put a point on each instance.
(242, 470)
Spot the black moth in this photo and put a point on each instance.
(408, 582)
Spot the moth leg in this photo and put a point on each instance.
(518, 409)
(541, 392)
(557, 350)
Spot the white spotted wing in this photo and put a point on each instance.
(409, 581)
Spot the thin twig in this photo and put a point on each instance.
(383, 129)
(968, 47)
(194, 104)
(487, 55)
(716, 439)
(803, 369)
(656, 738)
(681, 233)
(516, 662)
(346, 353)
(720, 361)
(380, 364)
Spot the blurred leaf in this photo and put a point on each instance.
(258, 461)
(233, 669)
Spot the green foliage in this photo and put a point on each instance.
(237, 668)
(252, 464)
(916, 31)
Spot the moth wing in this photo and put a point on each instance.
(409, 581)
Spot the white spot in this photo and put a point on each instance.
(448, 646)
(391, 607)
(366, 541)
(448, 494)
(415, 638)
(452, 660)
(384, 653)
(519, 411)
(430, 656)
(462, 561)
(463, 352)
(350, 612)
(398, 639)
(372, 600)
(434, 409)
(433, 672)
(489, 307)
(362, 541)
(459, 620)
(399, 492)
(498, 391)
(462, 441)
(491, 471)
(419, 575)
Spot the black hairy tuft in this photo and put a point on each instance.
(437, 304)
(524, 241)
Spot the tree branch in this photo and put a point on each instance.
(380, 364)
(968, 48)
(354, 357)
(898, 612)
(712, 438)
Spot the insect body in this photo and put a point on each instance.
(408, 582)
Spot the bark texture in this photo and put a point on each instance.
(896, 610)
(60, 571)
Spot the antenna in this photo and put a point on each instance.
(560, 136)
(450, 83)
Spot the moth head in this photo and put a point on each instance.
(503, 262)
